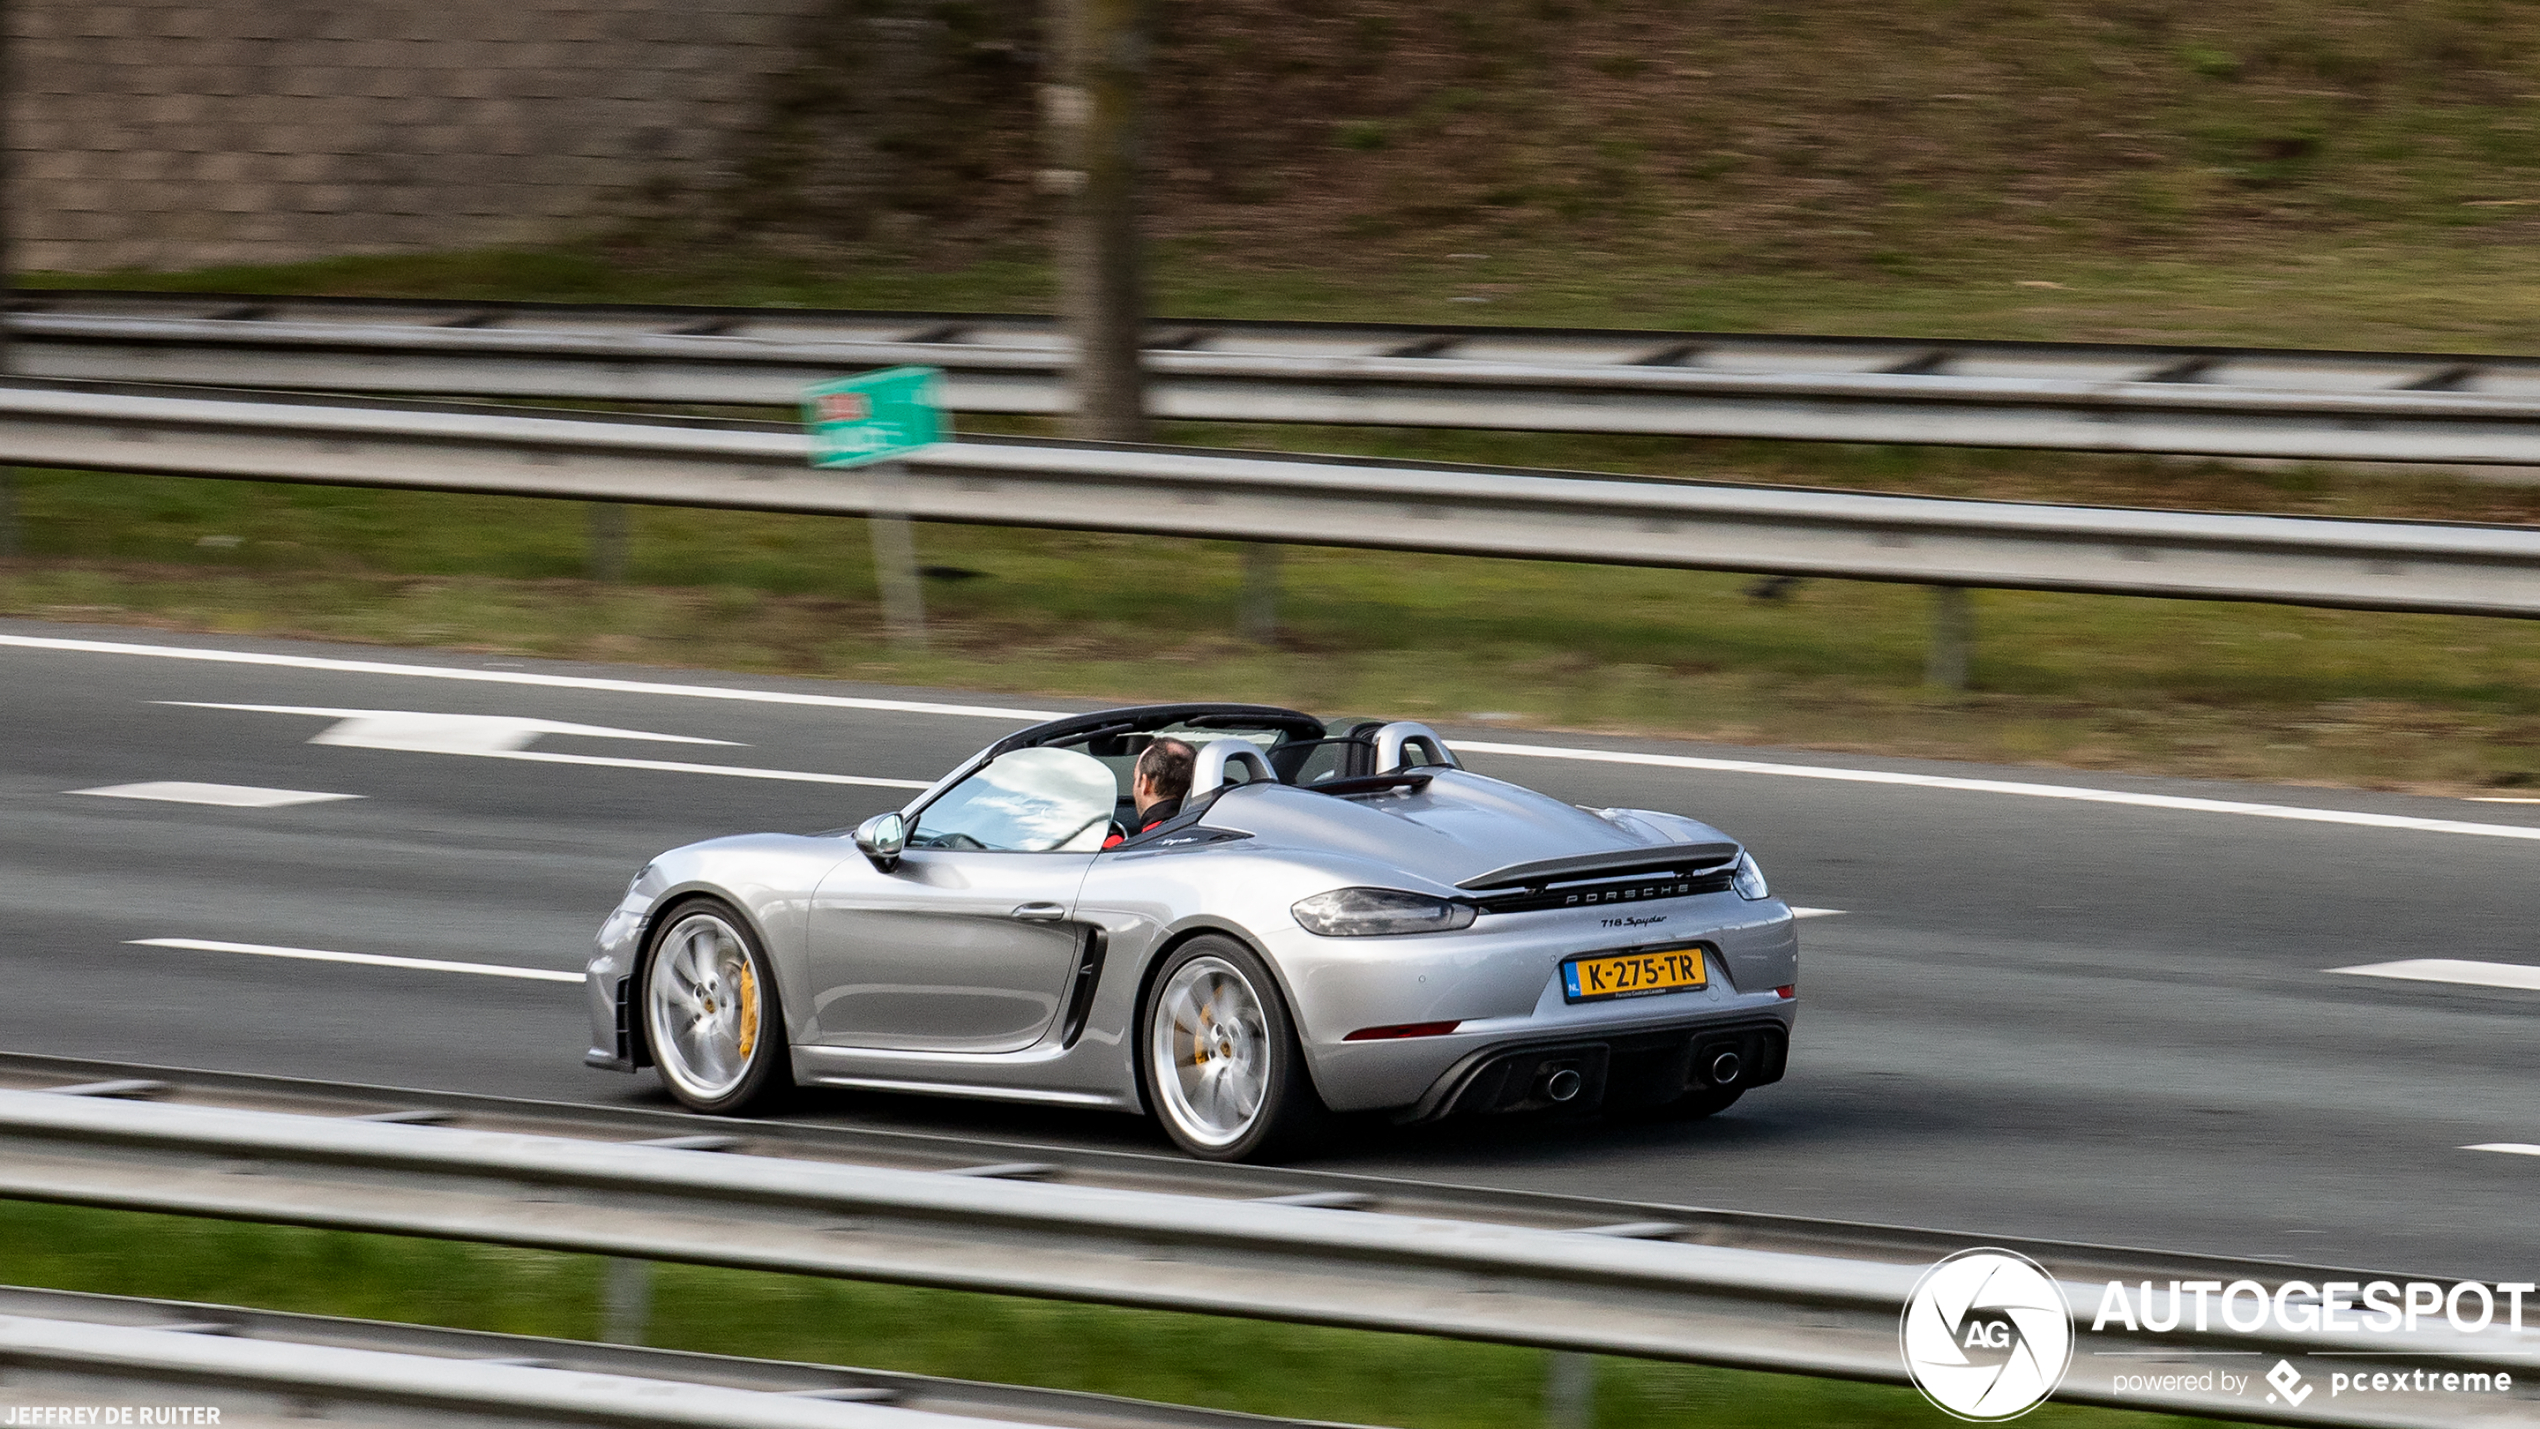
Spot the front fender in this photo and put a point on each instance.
(767, 878)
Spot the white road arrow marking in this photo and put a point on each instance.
(422, 732)
(507, 737)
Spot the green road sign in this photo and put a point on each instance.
(875, 417)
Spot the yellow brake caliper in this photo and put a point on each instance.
(749, 1010)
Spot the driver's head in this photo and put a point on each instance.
(1163, 771)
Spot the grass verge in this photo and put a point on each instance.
(1288, 1370)
(2433, 703)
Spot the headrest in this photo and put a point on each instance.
(1406, 745)
(1219, 757)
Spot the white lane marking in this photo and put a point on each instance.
(227, 796)
(1537, 751)
(502, 737)
(376, 960)
(515, 677)
(2456, 970)
(2510, 1148)
(2004, 786)
(1816, 912)
(2499, 799)
(426, 732)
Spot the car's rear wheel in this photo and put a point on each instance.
(710, 1011)
(1224, 1071)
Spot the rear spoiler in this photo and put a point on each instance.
(1617, 863)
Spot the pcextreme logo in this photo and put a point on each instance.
(1986, 1335)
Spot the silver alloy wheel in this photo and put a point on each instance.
(702, 1006)
(1210, 1046)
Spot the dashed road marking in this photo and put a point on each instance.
(1816, 912)
(227, 796)
(377, 960)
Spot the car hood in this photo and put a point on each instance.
(1458, 827)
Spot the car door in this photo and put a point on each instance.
(969, 943)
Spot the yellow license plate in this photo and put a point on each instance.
(1632, 974)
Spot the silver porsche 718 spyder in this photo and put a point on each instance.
(1337, 920)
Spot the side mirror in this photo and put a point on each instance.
(882, 837)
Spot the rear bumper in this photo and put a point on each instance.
(1628, 1069)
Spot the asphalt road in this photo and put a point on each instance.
(2033, 1016)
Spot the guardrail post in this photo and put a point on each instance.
(608, 541)
(626, 1300)
(1569, 1390)
(1257, 613)
(1953, 638)
(895, 558)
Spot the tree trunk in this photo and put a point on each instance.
(9, 539)
(1091, 109)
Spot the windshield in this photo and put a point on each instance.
(1028, 801)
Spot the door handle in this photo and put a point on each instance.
(1039, 913)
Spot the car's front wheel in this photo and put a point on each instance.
(710, 1011)
(1224, 1071)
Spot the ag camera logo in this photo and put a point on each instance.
(1987, 1335)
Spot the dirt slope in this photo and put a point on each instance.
(1746, 133)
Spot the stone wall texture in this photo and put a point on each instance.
(192, 133)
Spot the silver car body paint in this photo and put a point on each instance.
(924, 979)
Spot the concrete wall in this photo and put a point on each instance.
(188, 133)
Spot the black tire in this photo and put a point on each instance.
(1214, 1002)
(709, 1012)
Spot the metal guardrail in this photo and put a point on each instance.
(1611, 1293)
(59, 1360)
(901, 1149)
(60, 1346)
(2406, 566)
(2454, 409)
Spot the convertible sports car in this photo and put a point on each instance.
(1338, 920)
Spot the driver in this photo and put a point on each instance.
(1158, 783)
